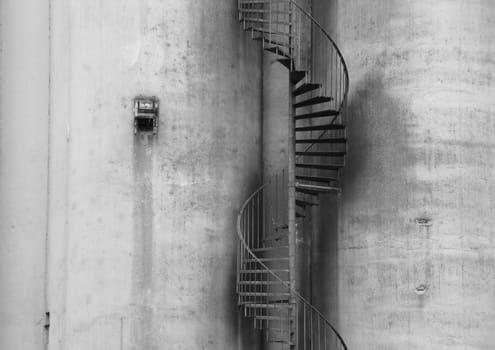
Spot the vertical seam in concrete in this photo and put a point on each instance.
(66, 8)
(48, 178)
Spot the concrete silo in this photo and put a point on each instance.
(407, 262)
(127, 241)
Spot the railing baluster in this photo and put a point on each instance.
(319, 333)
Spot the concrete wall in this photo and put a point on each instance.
(417, 204)
(23, 171)
(275, 115)
(141, 248)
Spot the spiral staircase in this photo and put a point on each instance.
(269, 219)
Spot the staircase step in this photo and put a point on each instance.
(303, 203)
(318, 166)
(269, 249)
(278, 302)
(260, 283)
(315, 188)
(263, 294)
(326, 140)
(306, 191)
(315, 178)
(261, 20)
(269, 306)
(321, 154)
(267, 31)
(296, 76)
(266, 259)
(247, 10)
(303, 88)
(272, 42)
(264, 271)
(313, 101)
(277, 51)
(287, 61)
(272, 318)
(321, 127)
(319, 114)
(248, 2)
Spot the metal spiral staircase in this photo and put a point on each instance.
(269, 219)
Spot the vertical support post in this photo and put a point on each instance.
(291, 196)
(292, 216)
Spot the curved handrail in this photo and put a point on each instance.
(327, 35)
(273, 274)
(344, 93)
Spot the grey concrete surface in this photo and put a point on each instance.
(275, 114)
(417, 205)
(141, 249)
(23, 171)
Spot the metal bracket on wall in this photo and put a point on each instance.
(146, 115)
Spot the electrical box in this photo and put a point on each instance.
(146, 115)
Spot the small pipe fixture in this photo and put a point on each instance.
(420, 290)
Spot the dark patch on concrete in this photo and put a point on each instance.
(143, 235)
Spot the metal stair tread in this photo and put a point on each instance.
(261, 10)
(263, 294)
(278, 51)
(266, 31)
(262, 1)
(320, 127)
(304, 88)
(323, 140)
(313, 101)
(268, 306)
(319, 114)
(296, 76)
(267, 259)
(321, 154)
(287, 61)
(268, 249)
(272, 318)
(262, 20)
(280, 341)
(303, 203)
(272, 42)
(260, 283)
(315, 178)
(263, 270)
(315, 188)
(319, 166)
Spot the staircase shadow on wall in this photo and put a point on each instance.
(372, 116)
